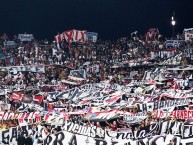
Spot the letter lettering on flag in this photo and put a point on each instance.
(79, 36)
(68, 35)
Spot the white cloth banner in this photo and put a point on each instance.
(31, 68)
(134, 118)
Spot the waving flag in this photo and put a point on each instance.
(16, 96)
(71, 36)
(38, 98)
(112, 99)
(102, 116)
(68, 35)
(59, 38)
(79, 36)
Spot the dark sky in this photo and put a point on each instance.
(110, 18)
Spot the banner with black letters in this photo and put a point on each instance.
(134, 118)
(75, 134)
(83, 130)
(161, 104)
(154, 134)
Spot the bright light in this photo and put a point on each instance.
(172, 18)
(173, 23)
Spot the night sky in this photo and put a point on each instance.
(110, 18)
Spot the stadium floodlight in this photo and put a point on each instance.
(173, 22)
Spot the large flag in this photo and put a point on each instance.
(71, 36)
(16, 96)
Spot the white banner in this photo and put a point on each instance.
(134, 118)
(31, 68)
(25, 37)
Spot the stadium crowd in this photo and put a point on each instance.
(60, 60)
